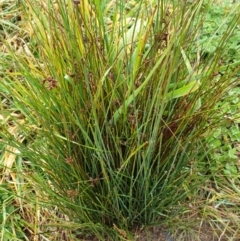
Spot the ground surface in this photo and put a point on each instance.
(157, 234)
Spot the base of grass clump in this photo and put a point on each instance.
(108, 121)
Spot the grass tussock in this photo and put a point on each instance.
(108, 109)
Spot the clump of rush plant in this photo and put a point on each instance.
(114, 109)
